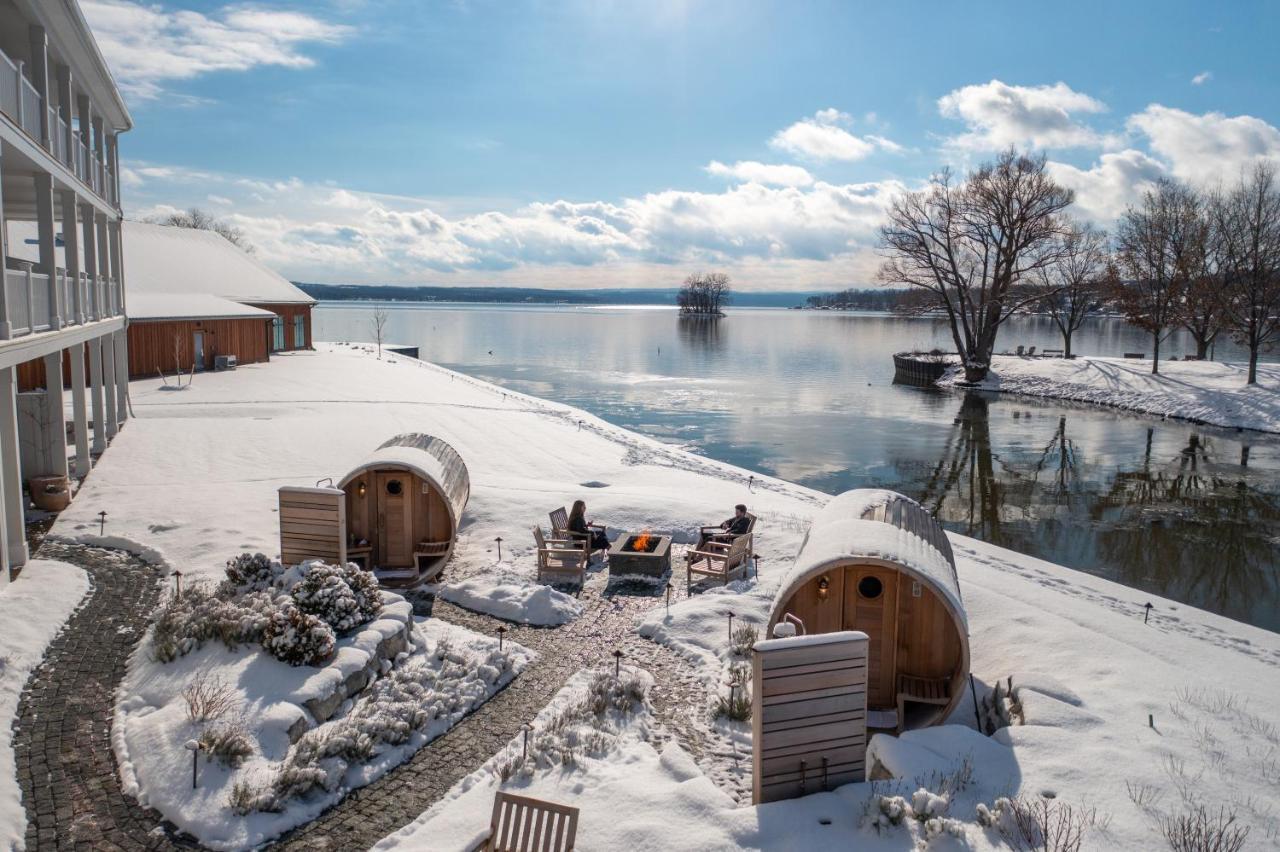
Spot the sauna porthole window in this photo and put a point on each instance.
(870, 587)
(394, 488)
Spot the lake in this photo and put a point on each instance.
(1188, 512)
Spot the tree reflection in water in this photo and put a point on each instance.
(1193, 527)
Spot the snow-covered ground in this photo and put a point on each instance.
(1203, 391)
(32, 611)
(193, 479)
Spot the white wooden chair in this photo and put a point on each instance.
(719, 559)
(561, 555)
(560, 525)
(526, 824)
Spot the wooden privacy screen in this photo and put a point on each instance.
(808, 714)
(313, 525)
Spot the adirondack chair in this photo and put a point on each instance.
(560, 525)
(718, 535)
(719, 559)
(521, 823)
(561, 555)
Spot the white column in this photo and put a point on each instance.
(104, 262)
(46, 232)
(66, 110)
(97, 394)
(54, 418)
(40, 79)
(109, 383)
(10, 469)
(6, 327)
(79, 410)
(89, 217)
(121, 346)
(74, 312)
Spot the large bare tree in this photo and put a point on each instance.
(704, 293)
(199, 220)
(1246, 223)
(970, 246)
(1158, 249)
(1070, 289)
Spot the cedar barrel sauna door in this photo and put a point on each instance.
(871, 605)
(395, 519)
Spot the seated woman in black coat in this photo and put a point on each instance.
(582, 530)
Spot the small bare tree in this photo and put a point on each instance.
(1070, 289)
(1246, 228)
(1157, 252)
(704, 293)
(378, 326)
(973, 245)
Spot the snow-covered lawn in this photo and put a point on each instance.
(193, 479)
(513, 599)
(1203, 391)
(32, 611)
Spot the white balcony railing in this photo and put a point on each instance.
(31, 302)
(21, 101)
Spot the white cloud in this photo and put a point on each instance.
(999, 115)
(319, 232)
(824, 137)
(147, 45)
(1207, 148)
(1116, 181)
(749, 171)
(1202, 78)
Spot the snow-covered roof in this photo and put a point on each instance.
(190, 306)
(163, 259)
(875, 524)
(431, 458)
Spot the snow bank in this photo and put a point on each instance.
(519, 601)
(1201, 391)
(32, 611)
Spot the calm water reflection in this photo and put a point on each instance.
(1188, 512)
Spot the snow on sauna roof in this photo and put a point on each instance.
(163, 259)
(430, 457)
(189, 306)
(873, 523)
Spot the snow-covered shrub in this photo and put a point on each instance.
(735, 704)
(345, 596)
(248, 796)
(892, 811)
(1000, 707)
(1201, 830)
(207, 697)
(228, 743)
(252, 572)
(298, 638)
(182, 625)
(1037, 823)
(926, 808)
(387, 714)
(745, 637)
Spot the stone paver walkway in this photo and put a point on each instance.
(67, 769)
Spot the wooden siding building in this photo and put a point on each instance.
(195, 296)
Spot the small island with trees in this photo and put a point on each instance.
(704, 294)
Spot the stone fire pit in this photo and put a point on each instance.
(640, 553)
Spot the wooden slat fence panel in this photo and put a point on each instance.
(525, 824)
(313, 524)
(809, 714)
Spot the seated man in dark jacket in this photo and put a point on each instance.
(738, 525)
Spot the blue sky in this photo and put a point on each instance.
(598, 144)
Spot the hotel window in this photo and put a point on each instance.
(299, 332)
(277, 334)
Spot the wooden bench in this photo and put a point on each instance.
(921, 690)
(526, 824)
(1135, 355)
(719, 559)
(427, 555)
(560, 526)
(561, 556)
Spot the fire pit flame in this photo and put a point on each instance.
(641, 542)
